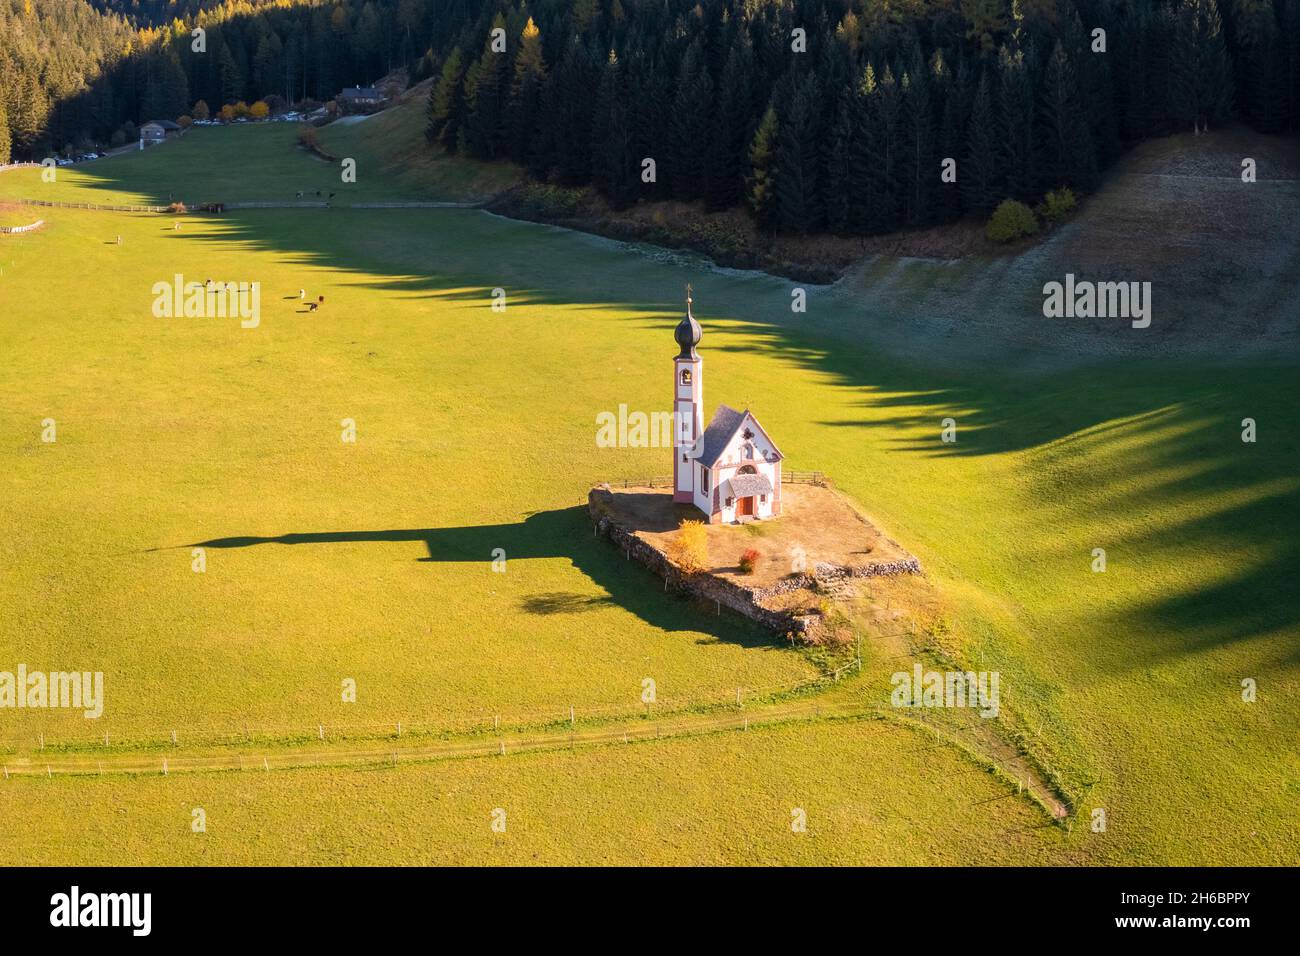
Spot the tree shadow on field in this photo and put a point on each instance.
(1147, 445)
(561, 533)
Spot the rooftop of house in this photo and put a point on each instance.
(361, 93)
(165, 124)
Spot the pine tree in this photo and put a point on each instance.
(920, 170)
(485, 100)
(1015, 115)
(1201, 80)
(1067, 156)
(838, 179)
(950, 95)
(446, 110)
(798, 194)
(761, 183)
(525, 92)
(690, 125)
(723, 176)
(866, 180)
(613, 167)
(886, 119)
(575, 78)
(978, 175)
(232, 80)
(6, 151)
(648, 101)
(1261, 64)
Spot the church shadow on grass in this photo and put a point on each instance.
(560, 533)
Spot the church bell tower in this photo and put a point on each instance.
(688, 406)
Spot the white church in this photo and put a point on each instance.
(731, 470)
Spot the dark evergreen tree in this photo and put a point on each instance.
(1201, 80)
(691, 123)
(615, 170)
(1065, 142)
(525, 93)
(979, 176)
(1015, 115)
(446, 109)
(724, 174)
(762, 181)
(798, 157)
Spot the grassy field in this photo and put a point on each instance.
(475, 431)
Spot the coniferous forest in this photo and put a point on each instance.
(817, 115)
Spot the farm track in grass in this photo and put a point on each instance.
(1014, 770)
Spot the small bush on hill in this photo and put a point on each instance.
(690, 549)
(748, 561)
(1057, 206)
(1010, 221)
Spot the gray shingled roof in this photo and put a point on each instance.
(742, 486)
(726, 421)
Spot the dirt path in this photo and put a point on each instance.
(631, 730)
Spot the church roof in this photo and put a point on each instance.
(726, 422)
(722, 429)
(742, 486)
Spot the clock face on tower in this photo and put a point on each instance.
(686, 376)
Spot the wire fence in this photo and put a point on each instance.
(442, 727)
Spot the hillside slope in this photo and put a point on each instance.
(1222, 257)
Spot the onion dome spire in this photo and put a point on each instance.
(688, 331)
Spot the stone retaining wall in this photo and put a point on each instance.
(707, 586)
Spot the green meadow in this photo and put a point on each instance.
(329, 560)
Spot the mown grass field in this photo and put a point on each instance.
(476, 431)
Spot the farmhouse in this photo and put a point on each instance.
(155, 131)
(731, 470)
(360, 99)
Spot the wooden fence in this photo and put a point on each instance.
(88, 205)
(666, 481)
(803, 478)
